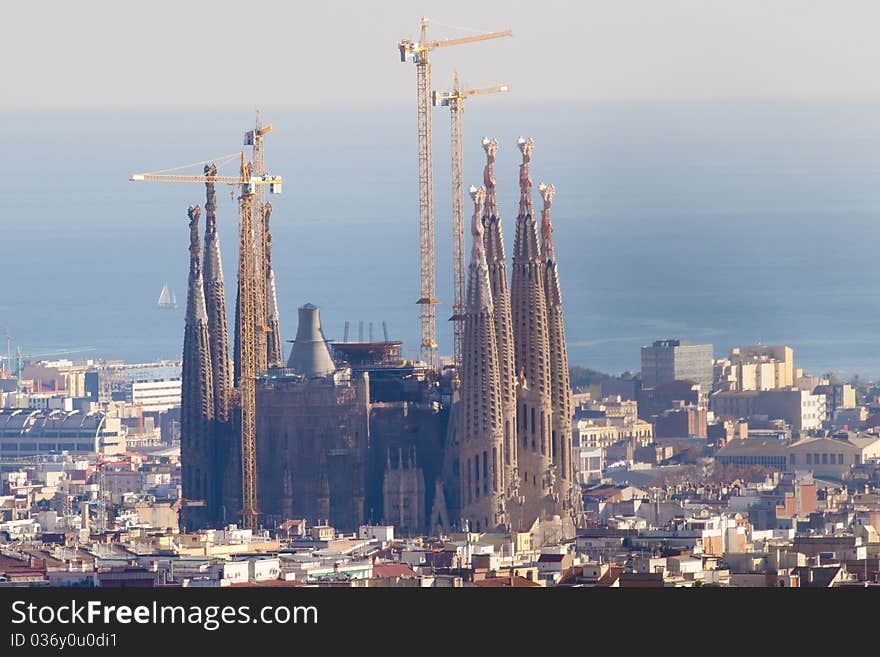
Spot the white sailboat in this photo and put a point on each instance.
(167, 299)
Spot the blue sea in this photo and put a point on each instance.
(724, 222)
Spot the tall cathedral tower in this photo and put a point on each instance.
(482, 440)
(493, 240)
(531, 346)
(560, 383)
(197, 448)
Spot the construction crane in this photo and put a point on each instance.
(261, 210)
(419, 53)
(248, 181)
(454, 100)
(164, 175)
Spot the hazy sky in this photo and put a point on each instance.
(182, 52)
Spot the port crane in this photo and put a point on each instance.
(247, 181)
(454, 100)
(418, 52)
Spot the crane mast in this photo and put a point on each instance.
(247, 345)
(456, 106)
(455, 101)
(428, 299)
(255, 138)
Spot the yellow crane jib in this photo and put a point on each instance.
(274, 182)
(446, 98)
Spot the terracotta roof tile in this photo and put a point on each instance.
(393, 570)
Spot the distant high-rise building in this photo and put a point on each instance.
(757, 367)
(803, 410)
(677, 360)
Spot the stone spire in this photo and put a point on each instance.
(200, 481)
(560, 384)
(493, 239)
(531, 343)
(482, 440)
(275, 357)
(215, 304)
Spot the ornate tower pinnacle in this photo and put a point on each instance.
(491, 147)
(482, 294)
(525, 182)
(547, 193)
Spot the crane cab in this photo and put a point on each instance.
(275, 188)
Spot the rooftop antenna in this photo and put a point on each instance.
(361, 331)
(345, 334)
(385, 330)
(371, 331)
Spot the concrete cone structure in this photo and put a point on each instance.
(310, 355)
(201, 482)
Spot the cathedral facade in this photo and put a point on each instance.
(350, 432)
(511, 439)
